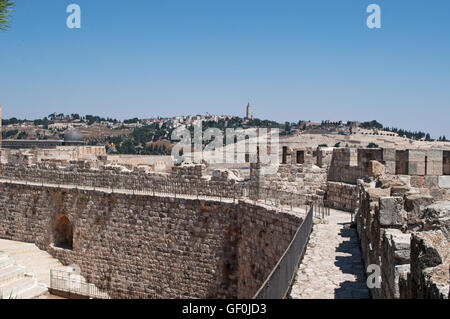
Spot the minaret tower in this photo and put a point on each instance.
(249, 113)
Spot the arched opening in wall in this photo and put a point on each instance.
(63, 232)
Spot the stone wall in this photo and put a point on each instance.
(446, 163)
(341, 196)
(430, 265)
(182, 180)
(306, 180)
(264, 237)
(162, 247)
(324, 156)
(292, 155)
(344, 166)
(60, 153)
(349, 165)
(401, 162)
(392, 221)
(157, 163)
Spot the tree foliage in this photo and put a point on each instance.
(372, 124)
(6, 8)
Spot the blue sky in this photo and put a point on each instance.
(292, 60)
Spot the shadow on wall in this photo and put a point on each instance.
(63, 232)
(350, 262)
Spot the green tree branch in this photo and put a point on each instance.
(6, 8)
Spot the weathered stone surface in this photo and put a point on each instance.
(390, 247)
(390, 211)
(376, 193)
(414, 205)
(434, 162)
(430, 257)
(400, 274)
(151, 246)
(416, 162)
(431, 181)
(399, 191)
(376, 168)
(444, 181)
(437, 216)
(342, 196)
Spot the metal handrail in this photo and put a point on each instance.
(64, 282)
(171, 186)
(279, 281)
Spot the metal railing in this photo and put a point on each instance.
(135, 184)
(71, 285)
(320, 211)
(279, 281)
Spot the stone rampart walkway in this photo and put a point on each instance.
(296, 211)
(332, 267)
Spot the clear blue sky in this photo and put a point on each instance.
(311, 60)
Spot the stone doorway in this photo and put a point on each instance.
(63, 232)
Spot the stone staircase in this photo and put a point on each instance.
(24, 270)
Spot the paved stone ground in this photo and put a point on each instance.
(332, 267)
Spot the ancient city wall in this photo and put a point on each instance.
(261, 232)
(157, 163)
(299, 178)
(424, 169)
(307, 181)
(404, 232)
(346, 167)
(182, 180)
(162, 247)
(341, 196)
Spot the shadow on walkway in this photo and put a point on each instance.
(349, 261)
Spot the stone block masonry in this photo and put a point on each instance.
(407, 236)
(446, 163)
(430, 262)
(161, 247)
(342, 196)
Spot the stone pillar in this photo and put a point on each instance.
(416, 162)
(389, 160)
(434, 162)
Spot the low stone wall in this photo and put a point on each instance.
(182, 180)
(341, 196)
(307, 180)
(156, 162)
(162, 247)
(430, 266)
(406, 236)
(344, 166)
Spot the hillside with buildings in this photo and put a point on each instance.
(152, 136)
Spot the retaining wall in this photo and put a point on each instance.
(160, 247)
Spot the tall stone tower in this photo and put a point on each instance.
(249, 112)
